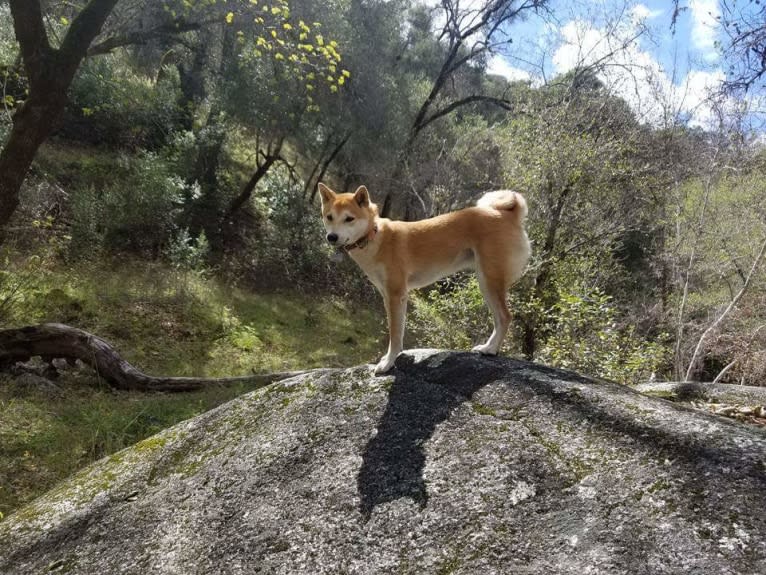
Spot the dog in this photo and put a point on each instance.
(400, 256)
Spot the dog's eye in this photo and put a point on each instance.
(349, 219)
(329, 218)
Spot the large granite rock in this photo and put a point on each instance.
(455, 463)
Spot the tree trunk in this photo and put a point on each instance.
(248, 189)
(53, 340)
(50, 72)
(313, 184)
(32, 124)
(531, 325)
(461, 26)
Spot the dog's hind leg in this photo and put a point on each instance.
(494, 289)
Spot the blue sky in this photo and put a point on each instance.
(662, 73)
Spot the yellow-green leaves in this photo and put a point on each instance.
(265, 28)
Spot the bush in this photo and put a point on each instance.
(284, 246)
(580, 331)
(112, 104)
(23, 279)
(585, 336)
(137, 213)
(295, 235)
(452, 314)
(188, 253)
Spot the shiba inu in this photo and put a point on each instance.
(400, 256)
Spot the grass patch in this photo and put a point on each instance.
(45, 438)
(164, 322)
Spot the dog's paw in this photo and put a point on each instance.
(384, 365)
(485, 349)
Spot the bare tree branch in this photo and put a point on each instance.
(501, 103)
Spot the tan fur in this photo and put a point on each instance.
(401, 256)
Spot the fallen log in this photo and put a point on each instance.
(55, 340)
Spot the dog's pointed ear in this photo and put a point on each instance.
(362, 196)
(326, 193)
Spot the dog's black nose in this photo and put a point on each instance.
(332, 238)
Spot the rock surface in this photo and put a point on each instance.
(690, 391)
(454, 463)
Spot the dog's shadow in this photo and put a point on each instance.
(423, 396)
(394, 459)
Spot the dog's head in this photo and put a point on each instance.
(347, 217)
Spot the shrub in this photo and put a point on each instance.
(188, 253)
(112, 104)
(584, 335)
(452, 314)
(295, 233)
(23, 279)
(580, 331)
(136, 213)
(284, 245)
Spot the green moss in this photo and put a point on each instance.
(659, 485)
(579, 467)
(116, 458)
(174, 463)
(331, 388)
(551, 447)
(450, 565)
(151, 443)
(315, 435)
(482, 409)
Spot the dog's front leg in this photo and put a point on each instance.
(396, 312)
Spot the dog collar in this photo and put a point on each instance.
(362, 242)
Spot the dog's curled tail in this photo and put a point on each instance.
(505, 201)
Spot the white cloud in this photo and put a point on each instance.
(641, 13)
(580, 44)
(635, 75)
(705, 14)
(500, 66)
(694, 96)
